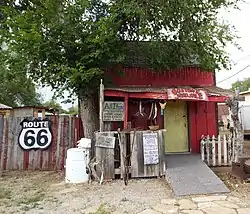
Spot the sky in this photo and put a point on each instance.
(240, 19)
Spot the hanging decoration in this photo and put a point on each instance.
(163, 105)
(141, 111)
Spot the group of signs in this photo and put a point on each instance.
(35, 134)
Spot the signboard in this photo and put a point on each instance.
(113, 111)
(35, 134)
(150, 148)
(105, 141)
(186, 94)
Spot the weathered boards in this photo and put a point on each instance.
(132, 145)
(113, 111)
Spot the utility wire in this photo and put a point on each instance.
(234, 74)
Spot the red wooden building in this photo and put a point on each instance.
(182, 101)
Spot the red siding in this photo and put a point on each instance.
(202, 122)
(143, 77)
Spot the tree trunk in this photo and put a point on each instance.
(89, 117)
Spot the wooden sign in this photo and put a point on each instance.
(105, 141)
(150, 148)
(113, 111)
(187, 94)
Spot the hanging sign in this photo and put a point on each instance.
(35, 134)
(150, 148)
(187, 94)
(113, 111)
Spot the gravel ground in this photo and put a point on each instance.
(45, 192)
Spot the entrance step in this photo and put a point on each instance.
(188, 175)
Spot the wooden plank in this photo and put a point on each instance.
(15, 144)
(105, 157)
(225, 150)
(123, 152)
(219, 150)
(208, 150)
(58, 142)
(202, 150)
(162, 161)
(5, 129)
(10, 145)
(213, 151)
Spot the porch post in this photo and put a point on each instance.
(125, 122)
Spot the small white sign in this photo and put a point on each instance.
(113, 111)
(105, 141)
(150, 148)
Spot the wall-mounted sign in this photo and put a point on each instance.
(186, 94)
(105, 141)
(113, 111)
(150, 148)
(35, 134)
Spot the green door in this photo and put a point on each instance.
(175, 123)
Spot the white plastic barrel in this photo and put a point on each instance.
(76, 163)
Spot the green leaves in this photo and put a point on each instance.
(68, 44)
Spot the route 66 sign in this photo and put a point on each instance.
(35, 134)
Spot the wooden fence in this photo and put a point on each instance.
(218, 151)
(130, 145)
(65, 132)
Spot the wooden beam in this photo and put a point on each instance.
(125, 122)
(139, 95)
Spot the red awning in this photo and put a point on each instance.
(207, 93)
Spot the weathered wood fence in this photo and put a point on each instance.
(65, 132)
(218, 151)
(129, 145)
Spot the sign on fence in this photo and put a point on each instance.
(35, 134)
(113, 111)
(150, 148)
(105, 141)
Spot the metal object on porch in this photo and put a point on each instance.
(220, 151)
(242, 169)
(188, 175)
(112, 159)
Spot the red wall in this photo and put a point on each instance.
(192, 76)
(202, 121)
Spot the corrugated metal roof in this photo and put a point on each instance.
(212, 90)
(4, 107)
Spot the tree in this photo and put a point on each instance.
(16, 88)
(68, 44)
(243, 85)
(54, 106)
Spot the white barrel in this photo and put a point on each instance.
(76, 163)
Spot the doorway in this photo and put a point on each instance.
(176, 125)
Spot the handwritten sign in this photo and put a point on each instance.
(150, 148)
(186, 94)
(105, 141)
(113, 111)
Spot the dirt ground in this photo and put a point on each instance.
(45, 192)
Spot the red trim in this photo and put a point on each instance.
(125, 122)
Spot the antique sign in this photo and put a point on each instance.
(150, 148)
(105, 141)
(113, 111)
(186, 94)
(35, 134)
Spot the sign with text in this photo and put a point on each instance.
(150, 148)
(35, 134)
(105, 141)
(186, 94)
(113, 111)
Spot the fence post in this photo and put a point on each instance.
(202, 148)
(208, 150)
(233, 148)
(225, 149)
(213, 151)
(219, 150)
